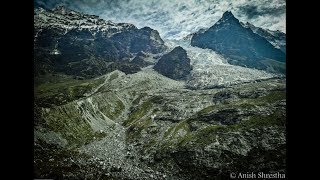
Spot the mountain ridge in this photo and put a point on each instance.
(84, 45)
(276, 38)
(240, 45)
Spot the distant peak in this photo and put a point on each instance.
(147, 29)
(229, 17)
(178, 48)
(227, 14)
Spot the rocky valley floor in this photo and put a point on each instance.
(147, 126)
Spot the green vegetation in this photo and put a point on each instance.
(70, 124)
(241, 104)
(277, 118)
(139, 112)
(204, 136)
(172, 137)
(149, 144)
(137, 119)
(181, 125)
(117, 110)
(138, 99)
(54, 91)
(110, 105)
(207, 135)
(135, 129)
(207, 110)
(168, 132)
(113, 76)
(60, 91)
(272, 97)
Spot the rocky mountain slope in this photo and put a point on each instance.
(143, 59)
(240, 45)
(147, 126)
(276, 38)
(84, 45)
(175, 64)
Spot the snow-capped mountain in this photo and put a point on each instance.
(240, 45)
(65, 20)
(84, 45)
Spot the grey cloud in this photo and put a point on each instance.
(252, 11)
(274, 11)
(176, 18)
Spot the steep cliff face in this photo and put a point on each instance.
(85, 45)
(240, 45)
(144, 39)
(143, 59)
(175, 64)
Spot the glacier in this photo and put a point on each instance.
(212, 70)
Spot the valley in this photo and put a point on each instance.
(144, 124)
(113, 101)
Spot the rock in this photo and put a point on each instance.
(116, 169)
(224, 97)
(142, 60)
(175, 64)
(225, 116)
(252, 94)
(164, 176)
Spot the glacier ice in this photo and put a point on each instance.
(211, 69)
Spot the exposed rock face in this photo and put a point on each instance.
(175, 64)
(85, 45)
(240, 45)
(143, 59)
(276, 38)
(144, 39)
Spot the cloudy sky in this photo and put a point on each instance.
(178, 18)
